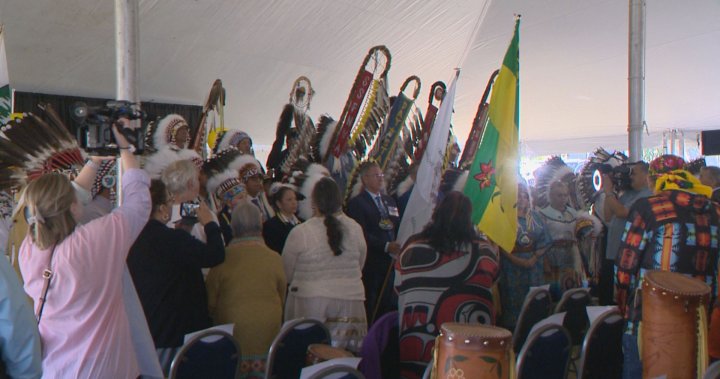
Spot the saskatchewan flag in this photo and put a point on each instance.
(493, 180)
(5, 91)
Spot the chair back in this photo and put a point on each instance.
(601, 356)
(579, 296)
(338, 372)
(574, 303)
(381, 348)
(210, 354)
(536, 307)
(288, 350)
(546, 354)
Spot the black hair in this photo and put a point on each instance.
(277, 196)
(327, 199)
(451, 226)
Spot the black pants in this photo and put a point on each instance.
(386, 301)
(606, 287)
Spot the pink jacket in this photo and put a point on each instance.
(84, 326)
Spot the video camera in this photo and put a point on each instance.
(620, 176)
(94, 133)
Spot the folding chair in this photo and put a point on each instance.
(286, 357)
(546, 354)
(574, 295)
(602, 356)
(380, 349)
(211, 354)
(537, 306)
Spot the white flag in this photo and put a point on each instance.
(5, 92)
(424, 194)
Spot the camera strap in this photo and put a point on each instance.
(47, 276)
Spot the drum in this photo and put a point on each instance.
(673, 332)
(318, 352)
(473, 351)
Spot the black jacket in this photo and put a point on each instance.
(275, 232)
(165, 265)
(362, 208)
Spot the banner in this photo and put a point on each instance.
(421, 204)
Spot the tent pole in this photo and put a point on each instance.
(126, 63)
(126, 49)
(636, 79)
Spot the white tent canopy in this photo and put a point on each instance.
(573, 57)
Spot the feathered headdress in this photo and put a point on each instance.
(304, 179)
(34, 145)
(321, 141)
(229, 138)
(588, 178)
(161, 133)
(156, 163)
(553, 170)
(106, 177)
(222, 172)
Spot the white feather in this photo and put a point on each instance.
(326, 137)
(314, 173)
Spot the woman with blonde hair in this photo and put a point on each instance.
(73, 273)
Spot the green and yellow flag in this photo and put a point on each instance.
(493, 180)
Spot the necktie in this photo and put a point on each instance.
(255, 201)
(381, 206)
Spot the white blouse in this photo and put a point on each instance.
(314, 271)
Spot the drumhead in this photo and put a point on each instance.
(456, 330)
(676, 283)
(327, 352)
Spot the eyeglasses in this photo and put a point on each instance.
(375, 175)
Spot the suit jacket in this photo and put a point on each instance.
(363, 209)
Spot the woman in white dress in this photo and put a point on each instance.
(323, 259)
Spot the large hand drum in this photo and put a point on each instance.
(318, 352)
(673, 332)
(473, 351)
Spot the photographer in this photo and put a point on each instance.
(616, 210)
(82, 319)
(165, 265)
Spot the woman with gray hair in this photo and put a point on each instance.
(181, 179)
(248, 289)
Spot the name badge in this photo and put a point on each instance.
(393, 211)
(386, 224)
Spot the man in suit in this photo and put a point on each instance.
(378, 215)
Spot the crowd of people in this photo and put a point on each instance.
(198, 243)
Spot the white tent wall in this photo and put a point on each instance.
(573, 71)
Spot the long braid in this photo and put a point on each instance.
(327, 200)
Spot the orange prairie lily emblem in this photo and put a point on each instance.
(484, 177)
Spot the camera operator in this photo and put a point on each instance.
(80, 310)
(616, 210)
